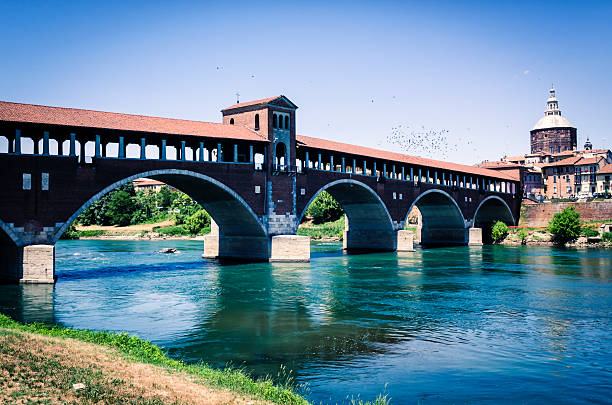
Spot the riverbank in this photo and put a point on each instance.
(168, 230)
(541, 237)
(41, 363)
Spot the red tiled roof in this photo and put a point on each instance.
(499, 164)
(147, 182)
(607, 169)
(574, 161)
(73, 117)
(588, 161)
(317, 143)
(254, 102)
(564, 162)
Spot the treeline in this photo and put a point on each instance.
(125, 206)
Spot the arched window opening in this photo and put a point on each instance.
(286, 122)
(231, 121)
(281, 156)
(275, 121)
(256, 122)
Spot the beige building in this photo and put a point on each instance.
(149, 185)
(572, 177)
(604, 177)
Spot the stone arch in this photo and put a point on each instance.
(370, 226)
(231, 213)
(492, 209)
(442, 220)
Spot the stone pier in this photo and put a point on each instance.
(290, 248)
(278, 248)
(28, 264)
(405, 241)
(475, 237)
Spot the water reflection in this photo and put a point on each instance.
(473, 318)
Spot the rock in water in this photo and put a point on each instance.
(168, 250)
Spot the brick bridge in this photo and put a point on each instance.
(251, 173)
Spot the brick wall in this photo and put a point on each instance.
(539, 215)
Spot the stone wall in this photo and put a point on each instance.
(538, 215)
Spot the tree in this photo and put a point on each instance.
(120, 208)
(499, 232)
(196, 222)
(565, 226)
(324, 208)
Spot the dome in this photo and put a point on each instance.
(552, 121)
(552, 116)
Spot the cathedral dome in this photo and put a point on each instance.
(552, 121)
(552, 116)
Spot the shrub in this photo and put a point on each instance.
(178, 230)
(70, 233)
(565, 226)
(324, 208)
(523, 236)
(606, 237)
(590, 233)
(499, 232)
(196, 222)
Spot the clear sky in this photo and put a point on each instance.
(357, 70)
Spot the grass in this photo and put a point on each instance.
(136, 349)
(178, 230)
(326, 230)
(32, 377)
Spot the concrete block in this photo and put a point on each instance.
(475, 237)
(405, 241)
(290, 248)
(38, 265)
(211, 245)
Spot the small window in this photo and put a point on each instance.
(231, 121)
(256, 122)
(286, 122)
(275, 121)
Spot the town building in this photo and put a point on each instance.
(603, 179)
(149, 185)
(555, 167)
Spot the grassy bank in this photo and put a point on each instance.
(327, 230)
(41, 363)
(39, 373)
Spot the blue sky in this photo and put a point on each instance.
(478, 70)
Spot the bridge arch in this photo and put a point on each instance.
(370, 226)
(492, 209)
(442, 222)
(231, 212)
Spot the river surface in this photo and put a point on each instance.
(464, 325)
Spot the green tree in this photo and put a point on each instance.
(185, 206)
(324, 208)
(120, 208)
(565, 226)
(196, 222)
(499, 232)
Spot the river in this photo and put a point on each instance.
(493, 324)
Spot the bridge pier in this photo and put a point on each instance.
(28, 264)
(475, 237)
(277, 248)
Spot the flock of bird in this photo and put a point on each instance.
(422, 142)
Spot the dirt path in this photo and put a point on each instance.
(125, 229)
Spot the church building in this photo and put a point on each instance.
(553, 133)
